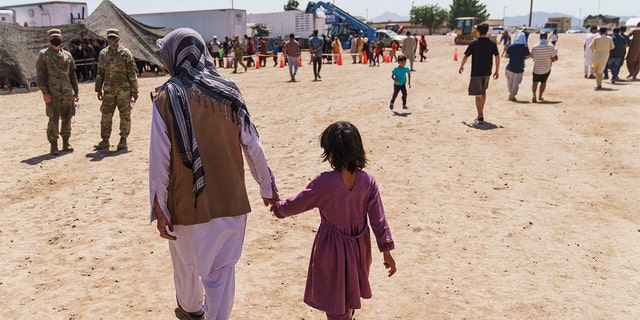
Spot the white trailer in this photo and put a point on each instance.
(7, 16)
(221, 23)
(52, 13)
(298, 22)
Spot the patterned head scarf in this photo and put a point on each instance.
(187, 59)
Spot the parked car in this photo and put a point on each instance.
(496, 30)
(528, 29)
(388, 35)
(576, 30)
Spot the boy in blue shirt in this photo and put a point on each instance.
(400, 75)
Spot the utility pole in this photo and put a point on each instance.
(530, 12)
(503, 11)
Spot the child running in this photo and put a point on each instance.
(400, 74)
(347, 197)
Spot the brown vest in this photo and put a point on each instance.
(218, 137)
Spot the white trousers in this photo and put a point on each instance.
(513, 82)
(204, 258)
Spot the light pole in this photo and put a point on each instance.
(580, 18)
(503, 11)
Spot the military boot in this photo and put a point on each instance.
(54, 148)
(66, 146)
(122, 144)
(104, 144)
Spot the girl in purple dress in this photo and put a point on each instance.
(347, 198)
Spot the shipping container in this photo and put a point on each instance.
(209, 23)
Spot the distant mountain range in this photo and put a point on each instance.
(538, 19)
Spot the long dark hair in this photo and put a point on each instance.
(342, 147)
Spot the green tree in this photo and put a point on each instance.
(432, 16)
(291, 5)
(467, 8)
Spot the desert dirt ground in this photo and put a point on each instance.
(531, 216)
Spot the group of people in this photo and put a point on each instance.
(196, 174)
(199, 200)
(484, 53)
(603, 52)
(116, 85)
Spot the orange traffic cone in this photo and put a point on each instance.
(282, 61)
(300, 62)
(258, 62)
(364, 58)
(455, 54)
(340, 59)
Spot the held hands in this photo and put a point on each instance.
(271, 201)
(389, 263)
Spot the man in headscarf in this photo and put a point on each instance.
(633, 56)
(198, 195)
(516, 52)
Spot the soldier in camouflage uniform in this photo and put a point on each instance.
(116, 85)
(59, 85)
(238, 53)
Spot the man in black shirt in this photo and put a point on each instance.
(481, 51)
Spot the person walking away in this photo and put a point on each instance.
(56, 70)
(616, 55)
(292, 51)
(423, 47)
(116, 86)
(505, 38)
(409, 49)
(601, 46)
(196, 176)
(349, 202)
(633, 56)
(401, 76)
(554, 37)
(543, 55)
(588, 54)
(517, 53)
(316, 44)
(481, 50)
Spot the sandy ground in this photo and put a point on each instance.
(532, 216)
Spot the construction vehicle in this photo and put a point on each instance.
(466, 30)
(344, 25)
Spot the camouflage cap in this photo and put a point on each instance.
(113, 33)
(54, 33)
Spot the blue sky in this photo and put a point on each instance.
(374, 8)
